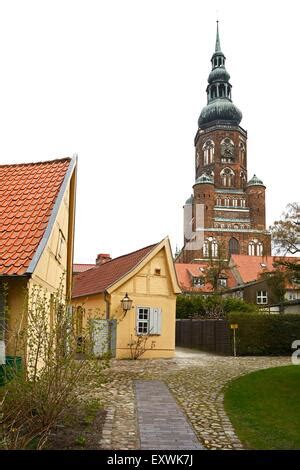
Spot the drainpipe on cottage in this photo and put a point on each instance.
(107, 302)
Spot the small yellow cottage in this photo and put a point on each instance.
(148, 278)
(37, 209)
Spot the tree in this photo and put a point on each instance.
(215, 271)
(286, 231)
(286, 238)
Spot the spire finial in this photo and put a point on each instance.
(218, 46)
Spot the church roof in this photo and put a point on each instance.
(255, 181)
(219, 106)
(204, 179)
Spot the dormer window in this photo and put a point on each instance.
(222, 282)
(198, 281)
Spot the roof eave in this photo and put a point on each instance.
(47, 233)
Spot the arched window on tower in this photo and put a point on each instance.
(227, 177)
(208, 150)
(242, 153)
(214, 249)
(234, 246)
(210, 248)
(251, 249)
(213, 92)
(259, 249)
(197, 158)
(242, 179)
(221, 90)
(227, 201)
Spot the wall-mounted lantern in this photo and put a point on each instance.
(126, 303)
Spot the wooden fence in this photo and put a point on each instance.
(207, 335)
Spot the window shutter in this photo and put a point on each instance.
(137, 320)
(155, 321)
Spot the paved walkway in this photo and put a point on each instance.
(196, 381)
(162, 424)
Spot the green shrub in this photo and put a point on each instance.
(265, 334)
(212, 306)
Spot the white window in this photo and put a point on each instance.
(292, 296)
(259, 249)
(242, 202)
(214, 249)
(209, 150)
(261, 297)
(235, 202)
(143, 317)
(251, 249)
(227, 177)
(205, 249)
(242, 153)
(227, 201)
(148, 321)
(219, 201)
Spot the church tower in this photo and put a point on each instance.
(233, 206)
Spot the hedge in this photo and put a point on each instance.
(188, 306)
(265, 334)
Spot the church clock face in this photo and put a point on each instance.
(227, 149)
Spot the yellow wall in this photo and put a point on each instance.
(146, 289)
(16, 303)
(50, 270)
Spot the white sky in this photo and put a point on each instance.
(122, 82)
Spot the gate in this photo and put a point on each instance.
(207, 335)
(104, 337)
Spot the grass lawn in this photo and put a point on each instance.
(264, 408)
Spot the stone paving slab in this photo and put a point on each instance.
(162, 424)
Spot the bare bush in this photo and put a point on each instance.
(53, 378)
(138, 346)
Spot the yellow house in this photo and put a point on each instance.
(37, 209)
(148, 278)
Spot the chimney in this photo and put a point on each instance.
(102, 258)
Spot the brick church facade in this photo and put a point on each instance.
(233, 207)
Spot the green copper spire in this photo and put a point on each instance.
(219, 101)
(218, 45)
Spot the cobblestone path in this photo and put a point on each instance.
(197, 385)
(161, 422)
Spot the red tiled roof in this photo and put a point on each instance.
(99, 278)
(80, 268)
(186, 272)
(27, 195)
(250, 267)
